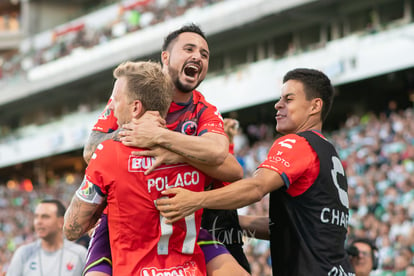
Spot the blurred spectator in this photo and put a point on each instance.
(51, 254)
(364, 256)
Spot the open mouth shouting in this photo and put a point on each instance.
(192, 70)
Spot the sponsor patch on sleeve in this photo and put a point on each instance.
(88, 192)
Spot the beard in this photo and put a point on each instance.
(184, 88)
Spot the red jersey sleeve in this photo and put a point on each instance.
(211, 119)
(107, 121)
(101, 166)
(295, 160)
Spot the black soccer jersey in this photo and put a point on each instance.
(308, 231)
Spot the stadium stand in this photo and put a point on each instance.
(64, 40)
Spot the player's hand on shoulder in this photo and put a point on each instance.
(142, 132)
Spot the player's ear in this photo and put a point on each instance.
(316, 105)
(137, 109)
(165, 56)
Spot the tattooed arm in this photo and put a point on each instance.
(95, 138)
(84, 210)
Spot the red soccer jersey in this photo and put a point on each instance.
(195, 117)
(141, 242)
(293, 158)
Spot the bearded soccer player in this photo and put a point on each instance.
(185, 57)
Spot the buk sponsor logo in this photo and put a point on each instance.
(139, 163)
(186, 270)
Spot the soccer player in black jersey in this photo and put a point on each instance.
(308, 211)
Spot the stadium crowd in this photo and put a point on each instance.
(130, 18)
(378, 156)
